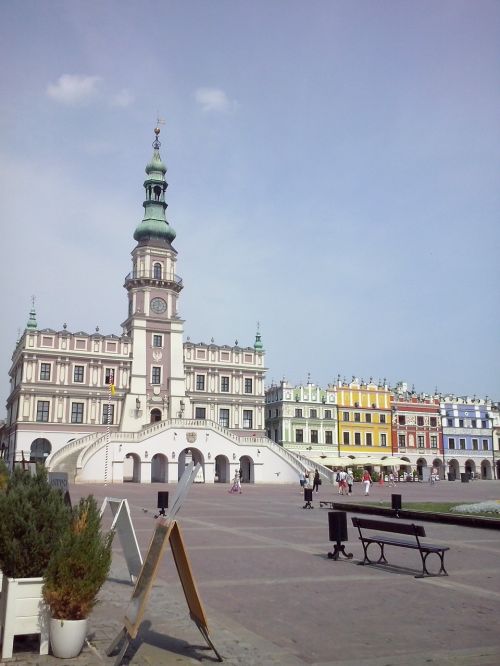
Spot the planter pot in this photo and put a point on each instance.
(22, 611)
(67, 637)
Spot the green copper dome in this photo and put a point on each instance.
(154, 224)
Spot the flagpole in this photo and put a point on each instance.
(111, 387)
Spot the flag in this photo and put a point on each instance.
(112, 389)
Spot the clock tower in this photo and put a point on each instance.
(157, 382)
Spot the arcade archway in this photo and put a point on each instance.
(40, 450)
(132, 468)
(159, 468)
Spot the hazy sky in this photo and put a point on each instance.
(333, 173)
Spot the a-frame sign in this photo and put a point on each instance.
(166, 532)
(122, 525)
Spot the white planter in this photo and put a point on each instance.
(67, 637)
(22, 611)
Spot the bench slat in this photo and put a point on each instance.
(385, 526)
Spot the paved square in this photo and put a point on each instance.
(273, 597)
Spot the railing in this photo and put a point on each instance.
(310, 463)
(68, 447)
(151, 275)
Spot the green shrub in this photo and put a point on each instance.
(33, 518)
(357, 474)
(79, 565)
(375, 476)
(4, 475)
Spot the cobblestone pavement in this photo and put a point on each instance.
(272, 596)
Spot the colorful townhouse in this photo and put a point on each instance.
(467, 437)
(364, 418)
(417, 434)
(302, 417)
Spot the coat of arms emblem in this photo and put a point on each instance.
(191, 437)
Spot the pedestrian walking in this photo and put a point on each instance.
(367, 481)
(350, 480)
(391, 479)
(316, 481)
(236, 487)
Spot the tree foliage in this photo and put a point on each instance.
(33, 519)
(79, 565)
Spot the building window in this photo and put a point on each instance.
(485, 445)
(401, 420)
(368, 439)
(460, 423)
(383, 439)
(224, 384)
(313, 413)
(247, 418)
(157, 271)
(328, 413)
(200, 413)
(45, 371)
(357, 417)
(109, 376)
(368, 418)
(328, 437)
(461, 442)
(382, 418)
(345, 416)
(345, 438)
(155, 375)
(433, 421)
(474, 423)
(157, 341)
(108, 411)
(402, 441)
(77, 412)
(420, 441)
(224, 418)
(449, 423)
(78, 371)
(299, 435)
(357, 439)
(475, 444)
(42, 410)
(248, 385)
(314, 436)
(434, 441)
(451, 443)
(298, 413)
(484, 424)
(420, 420)
(200, 382)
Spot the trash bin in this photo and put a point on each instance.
(464, 477)
(451, 476)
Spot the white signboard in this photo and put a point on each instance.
(122, 524)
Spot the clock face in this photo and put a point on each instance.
(158, 305)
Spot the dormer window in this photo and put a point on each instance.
(157, 271)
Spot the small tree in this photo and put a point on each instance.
(4, 475)
(79, 565)
(33, 517)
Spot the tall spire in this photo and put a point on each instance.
(32, 323)
(258, 346)
(154, 224)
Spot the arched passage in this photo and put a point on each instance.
(453, 470)
(191, 455)
(40, 450)
(246, 470)
(155, 416)
(159, 468)
(222, 469)
(132, 468)
(438, 468)
(422, 468)
(470, 467)
(486, 471)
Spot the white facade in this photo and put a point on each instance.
(141, 405)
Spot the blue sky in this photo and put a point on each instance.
(333, 173)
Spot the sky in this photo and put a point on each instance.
(333, 171)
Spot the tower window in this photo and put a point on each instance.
(156, 375)
(45, 371)
(157, 192)
(157, 341)
(157, 271)
(200, 382)
(78, 373)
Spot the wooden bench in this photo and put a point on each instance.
(417, 531)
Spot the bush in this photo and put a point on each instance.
(375, 476)
(357, 474)
(33, 518)
(79, 565)
(4, 475)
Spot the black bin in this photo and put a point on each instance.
(396, 502)
(337, 525)
(163, 500)
(464, 477)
